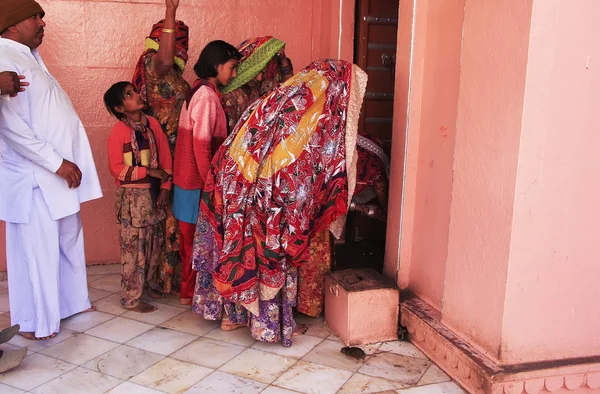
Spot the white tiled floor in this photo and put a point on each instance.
(174, 351)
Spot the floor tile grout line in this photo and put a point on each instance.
(155, 325)
(212, 371)
(296, 361)
(87, 329)
(101, 276)
(81, 365)
(99, 299)
(123, 380)
(71, 370)
(93, 336)
(272, 385)
(56, 377)
(347, 380)
(115, 317)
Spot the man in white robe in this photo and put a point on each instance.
(46, 172)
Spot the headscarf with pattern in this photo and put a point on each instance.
(257, 54)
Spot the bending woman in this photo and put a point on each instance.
(283, 175)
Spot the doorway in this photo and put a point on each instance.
(375, 38)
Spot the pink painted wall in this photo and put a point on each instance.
(429, 143)
(519, 278)
(436, 126)
(551, 307)
(490, 111)
(91, 44)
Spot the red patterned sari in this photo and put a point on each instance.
(280, 178)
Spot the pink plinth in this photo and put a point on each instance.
(361, 306)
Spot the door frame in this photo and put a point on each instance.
(396, 249)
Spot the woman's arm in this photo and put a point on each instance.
(166, 49)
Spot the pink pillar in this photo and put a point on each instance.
(498, 252)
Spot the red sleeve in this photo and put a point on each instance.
(116, 164)
(165, 161)
(205, 114)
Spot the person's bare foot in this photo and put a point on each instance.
(185, 301)
(31, 336)
(227, 325)
(300, 330)
(142, 307)
(91, 309)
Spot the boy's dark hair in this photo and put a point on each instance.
(215, 53)
(114, 97)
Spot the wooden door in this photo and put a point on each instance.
(375, 52)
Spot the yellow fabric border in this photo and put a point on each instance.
(290, 149)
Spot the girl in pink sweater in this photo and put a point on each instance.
(202, 129)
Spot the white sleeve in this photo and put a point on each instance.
(17, 133)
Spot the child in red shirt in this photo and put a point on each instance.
(202, 129)
(140, 161)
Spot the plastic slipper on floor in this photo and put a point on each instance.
(11, 359)
(8, 333)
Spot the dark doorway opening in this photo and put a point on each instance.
(375, 37)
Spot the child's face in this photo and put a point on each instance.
(226, 72)
(132, 101)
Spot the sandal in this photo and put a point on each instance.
(11, 358)
(8, 333)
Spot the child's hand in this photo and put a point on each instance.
(163, 199)
(173, 4)
(157, 173)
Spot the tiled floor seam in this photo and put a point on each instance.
(106, 373)
(347, 380)
(80, 365)
(30, 391)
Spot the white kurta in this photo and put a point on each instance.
(38, 129)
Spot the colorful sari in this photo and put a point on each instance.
(164, 96)
(259, 55)
(373, 168)
(280, 178)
